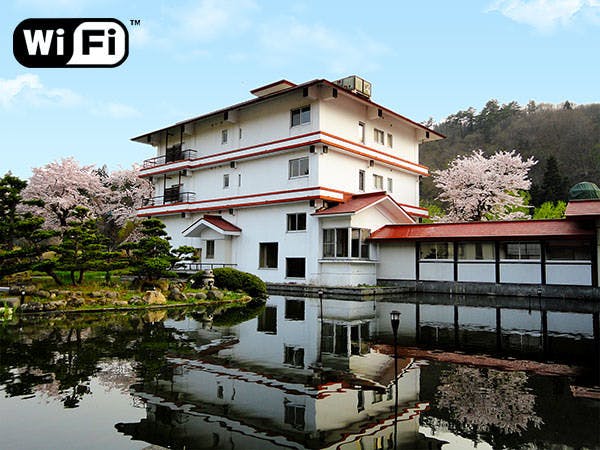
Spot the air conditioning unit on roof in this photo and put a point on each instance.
(356, 85)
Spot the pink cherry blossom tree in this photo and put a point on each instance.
(63, 185)
(475, 187)
(111, 198)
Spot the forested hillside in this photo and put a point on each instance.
(564, 139)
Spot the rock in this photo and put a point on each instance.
(75, 302)
(200, 296)
(52, 295)
(154, 316)
(214, 294)
(59, 304)
(121, 303)
(50, 306)
(112, 295)
(154, 298)
(31, 307)
(176, 295)
(96, 294)
(135, 301)
(43, 293)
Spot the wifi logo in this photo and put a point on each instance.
(70, 43)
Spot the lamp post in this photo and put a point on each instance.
(395, 319)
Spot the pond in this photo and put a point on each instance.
(298, 373)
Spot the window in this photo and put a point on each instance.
(295, 268)
(390, 140)
(225, 181)
(520, 250)
(224, 136)
(296, 222)
(476, 251)
(294, 356)
(437, 250)
(298, 167)
(390, 185)
(336, 240)
(360, 246)
(294, 415)
(220, 391)
(361, 132)
(378, 182)
(267, 320)
(239, 179)
(268, 255)
(569, 250)
(294, 309)
(361, 180)
(378, 136)
(210, 249)
(240, 133)
(300, 116)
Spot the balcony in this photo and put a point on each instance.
(172, 194)
(173, 154)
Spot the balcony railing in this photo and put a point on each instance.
(173, 154)
(171, 195)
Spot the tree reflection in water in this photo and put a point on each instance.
(482, 399)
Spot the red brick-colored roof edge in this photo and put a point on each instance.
(524, 229)
(220, 223)
(354, 203)
(583, 208)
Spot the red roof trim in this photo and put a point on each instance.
(583, 208)
(221, 223)
(525, 229)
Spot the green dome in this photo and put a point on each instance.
(584, 191)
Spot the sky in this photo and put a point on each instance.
(190, 57)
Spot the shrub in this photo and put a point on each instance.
(236, 280)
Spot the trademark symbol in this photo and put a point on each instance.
(135, 22)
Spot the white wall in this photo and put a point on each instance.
(436, 271)
(526, 273)
(396, 261)
(569, 273)
(477, 272)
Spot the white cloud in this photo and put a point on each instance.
(28, 89)
(546, 15)
(287, 40)
(209, 19)
(115, 110)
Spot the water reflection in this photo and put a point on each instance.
(298, 375)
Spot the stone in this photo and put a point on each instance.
(96, 294)
(162, 284)
(43, 293)
(215, 294)
(135, 301)
(154, 298)
(31, 307)
(112, 295)
(200, 296)
(121, 303)
(75, 302)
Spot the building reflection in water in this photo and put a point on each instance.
(298, 377)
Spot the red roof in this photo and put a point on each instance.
(526, 229)
(583, 208)
(354, 204)
(221, 223)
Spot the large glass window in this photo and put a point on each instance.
(294, 309)
(298, 167)
(300, 115)
(476, 251)
(520, 250)
(569, 250)
(344, 242)
(268, 255)
(437, 250)
(296, 222)
(294, 415)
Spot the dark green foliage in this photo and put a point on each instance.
(570, 134)
(10, 198)
(236, 280)
(554, 186)
(151, 256)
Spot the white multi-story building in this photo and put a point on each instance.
(290, 184)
